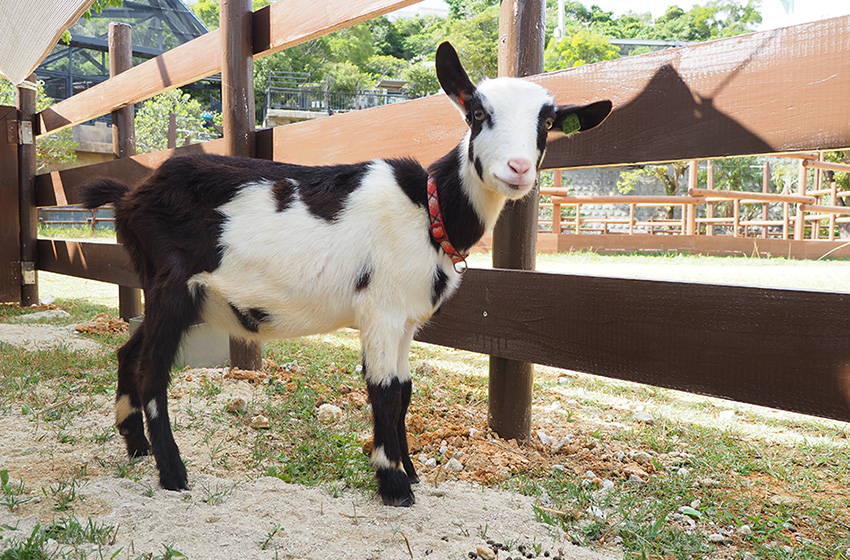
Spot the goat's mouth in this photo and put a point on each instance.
(515, 190)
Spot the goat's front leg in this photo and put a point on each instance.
(389, 394)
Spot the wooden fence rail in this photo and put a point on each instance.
(780, 348)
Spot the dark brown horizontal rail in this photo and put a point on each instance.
(106, 262)
(283, 24)
(784, 349)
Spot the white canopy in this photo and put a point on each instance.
(29, 29)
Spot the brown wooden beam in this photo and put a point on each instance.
(105, 262)
(762, 346)
(123, 141)
(10, 241)
(26, 182)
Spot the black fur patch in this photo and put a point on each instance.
(412, 178)
(251, 319)
(325, 189)
(463, 225)
(441, 280)
(479, 168)
(546, 112)
(363, 279)
(284, 194)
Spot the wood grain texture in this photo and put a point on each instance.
(106, 262)
(773, 91)
(754, 94)
(10, 226)
(778, 348)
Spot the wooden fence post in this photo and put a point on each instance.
(800, 223)
(521, 29)
(123, 142)
(237, 104)
(690, 210)
(10, 231)
(26, 188)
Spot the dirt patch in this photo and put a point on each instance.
(39, 337)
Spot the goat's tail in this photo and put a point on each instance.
(103, 191)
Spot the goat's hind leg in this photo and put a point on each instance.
(128, 404)
(169, 311)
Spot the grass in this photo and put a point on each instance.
(716, 467)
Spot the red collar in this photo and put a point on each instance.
(438, 228)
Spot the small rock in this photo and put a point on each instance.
(444, 449)
(237, 405)
(558, 468)
(636, 480)
(726, 415)
(454, 465)
(745, 531)
(329, 414)
(642, 457)
(683, 472)
(544, 438)
(260, 422)
(621, 456)
(717, 538)
(750, 556)
(590, 474)
(644, 416)
(607, 485)
(485, 552)
(557, 446)
(634, 469)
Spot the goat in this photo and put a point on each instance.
(271, 250)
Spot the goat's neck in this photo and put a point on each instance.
(469, 207)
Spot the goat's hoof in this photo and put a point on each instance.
(394, 488)
(175, 480)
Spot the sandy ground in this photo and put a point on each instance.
(233, 516)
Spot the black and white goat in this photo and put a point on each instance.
(269, 250)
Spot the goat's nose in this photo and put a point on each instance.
(519, 165)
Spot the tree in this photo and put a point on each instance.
(578, 47)
(672, 176)
(152, 121)
(50, 150)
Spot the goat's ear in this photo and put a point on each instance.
(453, 77)
(572, 118)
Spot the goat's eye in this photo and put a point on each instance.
(550, 122)
(479, 115)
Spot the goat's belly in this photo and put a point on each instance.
(273, 314)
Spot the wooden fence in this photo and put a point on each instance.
(755, 94)
(799, 216)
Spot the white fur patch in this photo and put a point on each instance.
(381, 461)
(123, 409)
(153, 410)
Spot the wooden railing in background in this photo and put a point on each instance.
(768, 347)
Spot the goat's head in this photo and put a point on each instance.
(509, 121)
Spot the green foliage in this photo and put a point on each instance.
(580, 46)
(50, 150)
(153, 117)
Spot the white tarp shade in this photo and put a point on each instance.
(29, 29)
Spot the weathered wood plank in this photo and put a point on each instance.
(279, 26)
(774, 91)
(754, 94)
(106, 262)
(785, 349)
(10, 225)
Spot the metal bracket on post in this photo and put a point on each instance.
(27, 273)
(25, 133)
